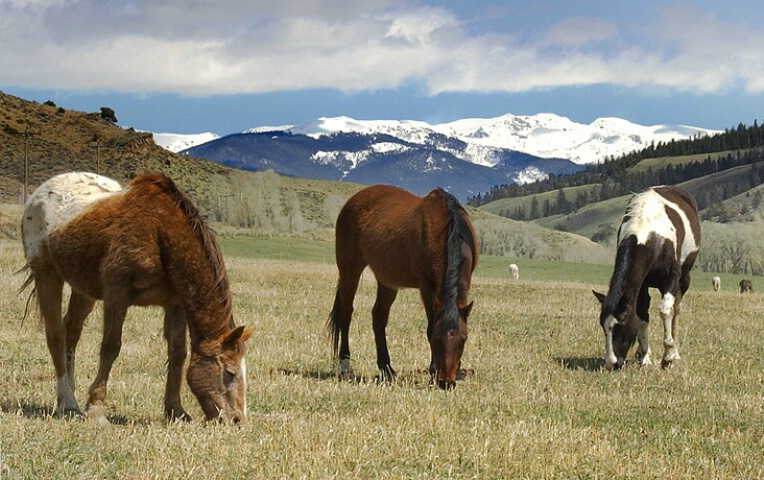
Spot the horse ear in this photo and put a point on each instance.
(599, 296)
(238, 333)
(465, 312)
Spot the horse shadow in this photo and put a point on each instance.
(587, 364)
(312, 374)
(32, 410)
(415, 378)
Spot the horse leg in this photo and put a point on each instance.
(643, 312)
(342, 315)
(80, 306)
(49, 292)
(113, 319)
(175, 333)
(427, 299)
(380, 315)
(669, 310)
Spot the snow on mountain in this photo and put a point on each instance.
(176, 142)
(467, 156)
(543, 135)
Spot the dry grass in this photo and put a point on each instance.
(538, 406)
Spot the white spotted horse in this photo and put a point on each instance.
(145, 244)
(658, 241)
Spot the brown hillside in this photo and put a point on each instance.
(58, 140)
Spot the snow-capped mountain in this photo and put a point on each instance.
(543, 135)
(466, 157)
(177, 142)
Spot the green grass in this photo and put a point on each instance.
(539, 404)
(287, 248)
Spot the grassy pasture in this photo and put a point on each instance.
(538, 405)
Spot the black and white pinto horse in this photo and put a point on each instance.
(658, 242)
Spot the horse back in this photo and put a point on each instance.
(667, 213)
(394, 232)
(59, 201)
(101, 239)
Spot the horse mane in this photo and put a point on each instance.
(458, 232)
(203, 233)
(623, 258)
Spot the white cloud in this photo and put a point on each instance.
(250, 47)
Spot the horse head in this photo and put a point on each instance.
(447, 344)
(217, 376)
(621, 327)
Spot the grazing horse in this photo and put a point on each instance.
(514, 271)
(746, 286)
(408, 241)
(142, 245)
(716, 283)
(658, 242)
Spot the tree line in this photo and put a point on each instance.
(612, 178)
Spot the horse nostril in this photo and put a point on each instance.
(445, 385)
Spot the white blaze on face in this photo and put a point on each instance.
(244, 383)
(647, 215)
(59, 201)
(610, 359)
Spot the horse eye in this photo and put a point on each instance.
(229, 374)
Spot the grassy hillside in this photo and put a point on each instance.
(605, 215)
(506, 206)
(655, 163)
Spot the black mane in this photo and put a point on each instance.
(458, 232)
(623, 259)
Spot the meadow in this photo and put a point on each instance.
(538, 403)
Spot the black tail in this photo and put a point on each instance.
(333, 325)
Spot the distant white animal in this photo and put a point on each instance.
(515, 271)
(716, 282)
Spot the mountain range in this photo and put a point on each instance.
(466, 157)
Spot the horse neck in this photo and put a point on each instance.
(628, 274)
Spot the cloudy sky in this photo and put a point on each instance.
(187, 67)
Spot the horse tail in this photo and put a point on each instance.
(29, 280)
(333, 325)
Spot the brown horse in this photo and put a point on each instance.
(408, 241)
(142, 245)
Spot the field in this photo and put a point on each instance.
(538, 405)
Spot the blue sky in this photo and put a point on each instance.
(190, 67)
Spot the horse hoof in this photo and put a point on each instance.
(97, 414)
(444, 385)
(100, 420)
(174, 416)
(71, 414)
(667, 364)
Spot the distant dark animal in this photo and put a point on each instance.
(658, 242)
(514, 271)
(408, 241)
(746, 286)
(142, 245)
(716, 283)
